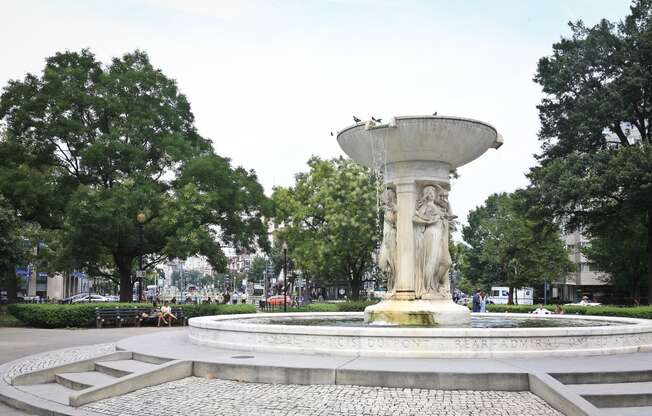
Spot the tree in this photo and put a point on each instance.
(331, 221)
(257, 269)
(623, 256)
(12, 249)
(118, 140)
(509, 248)
(596, 128)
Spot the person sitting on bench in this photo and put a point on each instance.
(166, 313)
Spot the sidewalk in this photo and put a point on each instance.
(20, 342)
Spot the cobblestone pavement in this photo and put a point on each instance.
(54, 358)
(199, 396)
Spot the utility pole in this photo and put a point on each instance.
(285, 277)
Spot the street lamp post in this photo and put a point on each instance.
(285, 276)
(141, 221)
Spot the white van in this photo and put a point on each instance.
(500, 295)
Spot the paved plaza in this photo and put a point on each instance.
(200, 396)
(21, 342)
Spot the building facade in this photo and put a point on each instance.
(585, 280)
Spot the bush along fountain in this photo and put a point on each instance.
(416, 155)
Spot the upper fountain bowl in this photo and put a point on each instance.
(451, 140)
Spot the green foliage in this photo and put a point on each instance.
(508, 248)
(94, 145)
(205, 309)
(642, 312)
(617, 248)
(83, 315)
(257, 269)
(331, 221)
(355, 306)
(7, 320)
(321, 307)
(596, 128)
(352, 306)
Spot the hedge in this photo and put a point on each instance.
(46, 315)
(644, 312)
(352, 306)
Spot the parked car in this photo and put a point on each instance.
(278, 300)
(84, 297)
(112, 298)
(91, 298)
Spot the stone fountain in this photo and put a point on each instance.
(416, 155)
(418, 318)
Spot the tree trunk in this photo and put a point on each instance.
(649, 255)
(354, 284)
(126, 285)
(510, 297)
(12, 287)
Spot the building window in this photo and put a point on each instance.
(588, 267)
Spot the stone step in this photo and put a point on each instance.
(627, 411)
(84, 380)
(606, 377)
(50, 391)
(612, 388)
(121, 368)
(619, 400)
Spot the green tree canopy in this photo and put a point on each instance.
(330, 219)
(111, 141)
(508, 248)
(596, 162)
(257, 270)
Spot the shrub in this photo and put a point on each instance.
(643, 312)
(352, 306)
(321, 307)
(83, 315)
(356, 305)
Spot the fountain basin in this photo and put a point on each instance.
(453, 141)
(248, 333)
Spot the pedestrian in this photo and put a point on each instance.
(541, 310)
(483, 301)
(476, 301)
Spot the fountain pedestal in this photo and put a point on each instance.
(418, 312)
(416, 155)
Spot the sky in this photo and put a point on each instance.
(269, 80)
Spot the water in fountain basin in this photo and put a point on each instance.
(476, 322)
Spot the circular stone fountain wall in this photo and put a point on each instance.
(255, 332)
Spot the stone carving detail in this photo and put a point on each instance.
(432, 258)
(387, 254)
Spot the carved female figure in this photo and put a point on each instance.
(387, 255)
(431, 229)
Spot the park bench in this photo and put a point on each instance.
(181, 318)
(107, 316)
(129, 316)
(152, 316)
